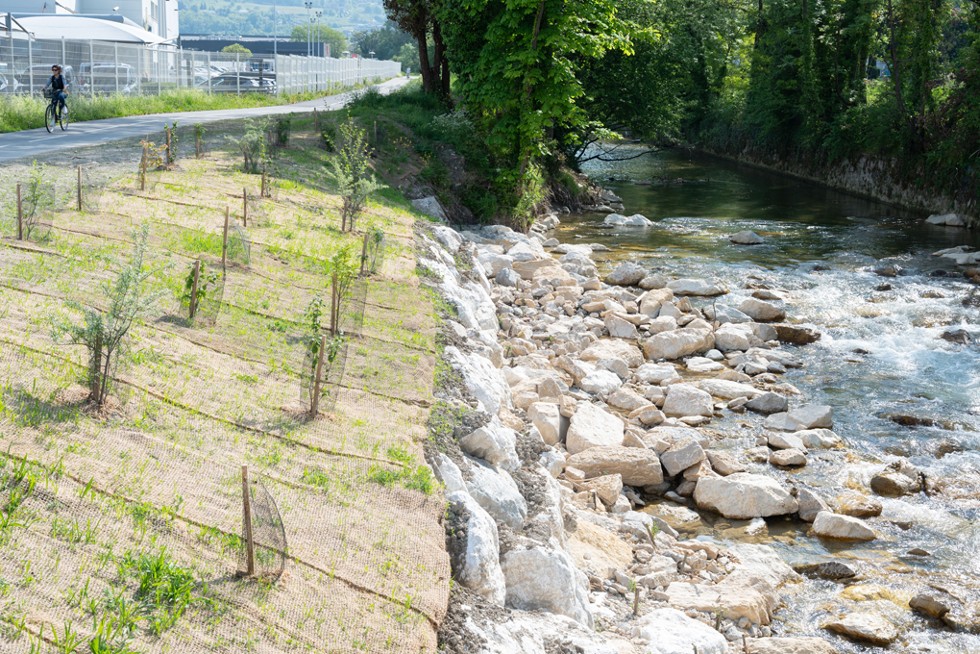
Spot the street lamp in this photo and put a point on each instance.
(316, 33)
(309, 5)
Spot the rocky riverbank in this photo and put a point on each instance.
(579, 436)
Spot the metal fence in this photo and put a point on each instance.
(100, 68)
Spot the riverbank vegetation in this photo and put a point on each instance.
(819, 82)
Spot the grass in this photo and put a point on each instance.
(22, 112)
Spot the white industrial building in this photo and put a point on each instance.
(159, 17)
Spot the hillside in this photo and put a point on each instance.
(122, 529)
(227, 18)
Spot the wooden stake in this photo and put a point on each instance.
(636, 600)
(20, 216)
(315, 405)
(79, 188)
(316, 120)
(224, 242)
(375, 133)
(334, 305)
(143, 169)
(197, 275)
(265, 185)
(364, 253)
(197, 146)
(244, 207)
(247, 515)
(166, 160)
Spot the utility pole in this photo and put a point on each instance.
(309, 24)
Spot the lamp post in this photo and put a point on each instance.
(309, 20)
(316, 33)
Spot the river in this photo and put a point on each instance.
(880, 356)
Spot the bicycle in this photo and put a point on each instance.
(51, 115)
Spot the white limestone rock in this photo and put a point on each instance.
(619, 220)
(591, 426)
(480, 564)
(668, 631)
(494, 443)
(637, 466)
(746, 237)
(547, 420)
(842, 527)
(807, 417)
(761, 311)
(497, 492)
(678, 343)
(544, 579)
(698, 287)
(687, 400)
(744, 495)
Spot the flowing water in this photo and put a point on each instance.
(880, 355)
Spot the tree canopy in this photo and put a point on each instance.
(321, 34)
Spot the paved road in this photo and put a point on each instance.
(34, 142)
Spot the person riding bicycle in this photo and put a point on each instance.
(58, 87)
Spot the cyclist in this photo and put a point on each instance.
(57, 86)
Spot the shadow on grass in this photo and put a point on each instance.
(27, 410)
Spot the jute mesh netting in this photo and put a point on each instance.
(141, 503)
(265, 556)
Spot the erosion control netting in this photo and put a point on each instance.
(373, 253)
(40, 201)
(268, 535)
(191, 402)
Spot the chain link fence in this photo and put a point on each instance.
(99, 68)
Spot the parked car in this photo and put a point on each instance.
(38, 75)
(245, 82)
(108, 77)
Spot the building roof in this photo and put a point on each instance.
(85, 28)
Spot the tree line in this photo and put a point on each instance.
(812, 80)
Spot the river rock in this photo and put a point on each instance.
(651, 301)
(806, 417)
(796, 334)
(724, 463)
(811, 504)
(681, 456)
(782, 441)
(833, 570)
(653, 281)
(731, 337)
(947, 219)
(959, 336)
(540, 579)
(668, 631)
(547, 420)
(626, 274)
(507, 277)
(743, 495)
(496, 492)
(700, 365)
(841, 527)
(493, 443)
(866, 628)
(590, 427)
(607, 487)
(768, 403)
(656, 373)
(818, 439)
(619, 327)
(479, 566)
(746, 237)
(695, 287)
(723, 313)
(637, 466)
(627, 399)
(894, 484)
(619, 220)
(678, 343)
(761, 311)
(728, 390)
(431, 207)
(858, 505)
(686, 400)
(789, 646)
(789, 458)
(929, 605)
(600, 382)
(611, 348)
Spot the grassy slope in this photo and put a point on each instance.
(125, 527)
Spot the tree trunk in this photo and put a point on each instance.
(428, 84)
(440, 65)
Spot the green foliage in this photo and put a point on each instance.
(207, 283)
(418, 478)
(385, 42)
(321, 34)
(350, 170)
(281, 127)
(237, 48)
(254, 146)
(37, 199)
(102, 332)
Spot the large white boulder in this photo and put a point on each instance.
(651, 301)
(547, 420)
(626, 274)
(686, 400)
(485, 382)
(637, 466)
(620, 327)
(790, 646)
(746, 237)
(619, 220)
(497, 492)
(494, 443)
(591, 426)
(611, 348)
(600, 382)
(865, 627)
(656, 373)
(727, 390)
(842, 527)
(540, 579)
(480, 564)
(731, 337)
(678, 343)
(807, 417)
(761, 310)
(743, 495)
(668, 631)
(681, 456)
(695, 287)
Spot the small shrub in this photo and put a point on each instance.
(350, 170)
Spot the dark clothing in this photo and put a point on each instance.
(57, 83)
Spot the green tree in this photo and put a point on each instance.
(102, 332)
(516, 65)
(385, 42)
(350, 170)
(237, 48)
(420, 19)
(321, 34)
